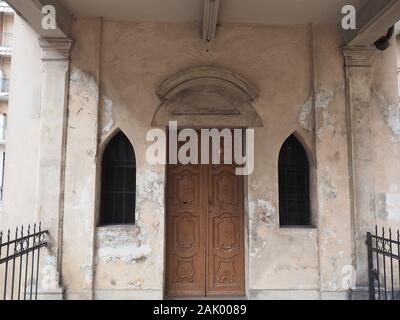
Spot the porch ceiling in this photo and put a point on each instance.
(255, 11)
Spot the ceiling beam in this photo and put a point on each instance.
(210, 20)
(31, 12)
(373, 22)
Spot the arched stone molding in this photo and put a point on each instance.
(207, 97)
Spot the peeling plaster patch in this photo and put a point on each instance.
(108, 106)
(305, 116)
(120, 244)
(85, 82)
(150, 203)
(151, 188)
(90, 153)
(324, 98)
(333, 260)
(328, 190)
(127, 254)
(129, 245)
(282, 267)
(48, 273)
(83, 101)
(334, 279)
(391, 114)
(388, 205)
(50, 261)
(262, 210)
(262, 216)
(136, 284)
(83, 200)
(329, 232)
(87, 272)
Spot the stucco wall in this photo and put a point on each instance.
(146, 54)
(131, 59)
(115, 70)
(80, 171)
(386, 132)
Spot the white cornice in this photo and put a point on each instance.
(55, 49)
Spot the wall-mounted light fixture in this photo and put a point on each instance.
(211, 8)
(384, 42)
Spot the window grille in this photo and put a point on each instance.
(118, 183)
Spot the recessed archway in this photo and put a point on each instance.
(207, 97)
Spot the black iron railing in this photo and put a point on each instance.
(20, 261)
(384, 265)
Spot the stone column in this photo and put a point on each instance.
(55, 59)
(358, 66)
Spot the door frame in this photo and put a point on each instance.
(246, 223)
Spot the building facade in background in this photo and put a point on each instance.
(321, 102)
(6, 28)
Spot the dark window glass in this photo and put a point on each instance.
(294, 184)
(118, 182)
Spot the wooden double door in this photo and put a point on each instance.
(205, 231)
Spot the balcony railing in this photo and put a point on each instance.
(6, 39)
(4, 85)
(4, 7)
(3, 129)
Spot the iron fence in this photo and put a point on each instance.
(20, 261)
(384, 265)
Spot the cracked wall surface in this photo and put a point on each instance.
(332, 162)
(112, 87)
(81, 164)
(130, 257)
(277, 258)
(386, 133)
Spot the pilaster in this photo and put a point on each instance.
(358, 67)
(55, 61)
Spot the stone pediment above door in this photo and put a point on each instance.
(207, 97)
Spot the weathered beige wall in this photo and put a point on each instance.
(334, 218)
(386, 147)
(386, 133)
(134, 59)
(81, 153)
(149, 53)
(376, 138)
(115, 70)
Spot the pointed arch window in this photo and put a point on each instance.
(118, 182)
(294, 184)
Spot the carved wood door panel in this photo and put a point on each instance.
(205, 231)
(225, 245)
(185, 231)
